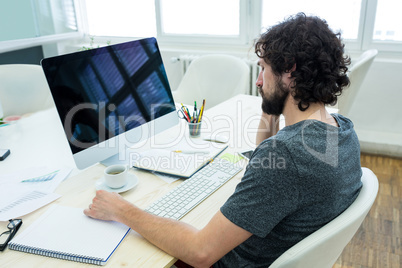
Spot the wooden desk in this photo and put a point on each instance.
(237, 118)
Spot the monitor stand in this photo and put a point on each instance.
(118, 159)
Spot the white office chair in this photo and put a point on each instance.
(23, 89)
(356, 74)
(214, 78)
(322, 248)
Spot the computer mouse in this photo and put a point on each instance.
(216, 138)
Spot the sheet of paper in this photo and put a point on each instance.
(44, 179)
(181, 159)
(23, 203)
(27, 190)
(169, 161)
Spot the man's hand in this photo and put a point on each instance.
(268, 127)
(106, 206)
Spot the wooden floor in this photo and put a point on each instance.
(378, 242)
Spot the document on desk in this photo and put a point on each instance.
(182, 159)
(27, 190)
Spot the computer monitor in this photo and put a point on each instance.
(110, 98)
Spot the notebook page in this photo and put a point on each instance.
(68, 230)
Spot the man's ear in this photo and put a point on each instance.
(289, 72)
(293, 68)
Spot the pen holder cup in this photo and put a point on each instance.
(194, 129)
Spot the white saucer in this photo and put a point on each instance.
(131, 183)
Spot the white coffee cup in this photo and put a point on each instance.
(116, 176)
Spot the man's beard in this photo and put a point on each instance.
(275, 102)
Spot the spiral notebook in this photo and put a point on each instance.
(66, 233)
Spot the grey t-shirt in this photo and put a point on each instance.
(295, 182)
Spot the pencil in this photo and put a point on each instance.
(201, 111)
(191, 152)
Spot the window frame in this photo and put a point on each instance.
(368, 42)
(356, 44)
(250, 26)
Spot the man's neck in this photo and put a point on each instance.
(315, 111)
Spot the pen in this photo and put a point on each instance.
(195, 113)
(188, 113)
(190, 152)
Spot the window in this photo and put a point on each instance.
(32, 23)
(197, 17)
(388, 21)
(341, 15)
(54, 17)
(121, 18)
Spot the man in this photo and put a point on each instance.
(274, 206)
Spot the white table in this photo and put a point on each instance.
(35, 140)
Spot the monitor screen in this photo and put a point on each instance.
(109, 91)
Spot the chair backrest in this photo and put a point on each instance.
(23, 89)
(214, 78)
(356, 74)
(322, 248)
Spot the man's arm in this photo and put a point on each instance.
(199, 248)
(269, 126)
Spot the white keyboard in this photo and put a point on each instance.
(179, 201)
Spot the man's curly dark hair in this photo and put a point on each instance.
(318, 53)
